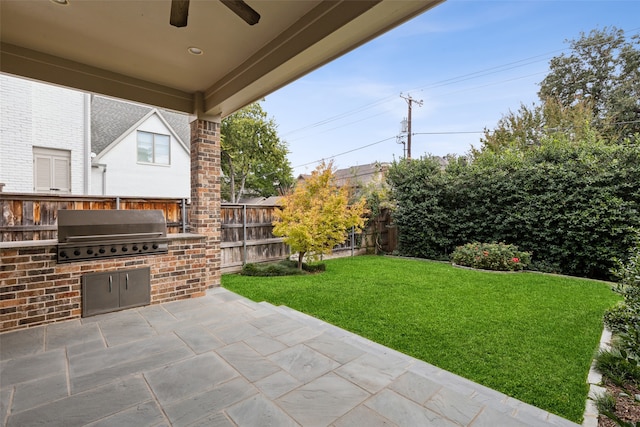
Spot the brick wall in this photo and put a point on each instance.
(35, 289)
(205, 207)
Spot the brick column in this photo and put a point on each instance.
(205, 192)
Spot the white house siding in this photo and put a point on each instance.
(35, 114)
(126, 177)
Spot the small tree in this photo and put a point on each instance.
(316, 215)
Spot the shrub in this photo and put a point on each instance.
(268, 270)
(624, 318)
(573, 205)
(282, 268)
(605, 402)
(614, 365)
(618, 316)
(491, 256)
(315, 267)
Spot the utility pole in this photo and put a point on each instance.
(410, 101)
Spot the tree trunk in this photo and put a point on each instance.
(241, 190)
(300, 258)
(232, 182)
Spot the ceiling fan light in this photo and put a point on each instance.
(195, 50)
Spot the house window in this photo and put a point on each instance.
(153, 148)
(51, 171)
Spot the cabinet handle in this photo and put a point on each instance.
(110, 283)
(126, 282)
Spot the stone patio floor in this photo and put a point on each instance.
(222, 360)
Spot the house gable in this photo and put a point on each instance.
(116, 169)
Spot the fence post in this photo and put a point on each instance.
(184, 215)
(244, 234)
(353, 238)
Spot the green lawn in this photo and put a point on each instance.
(528, 335)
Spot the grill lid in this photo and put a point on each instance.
(91, 225)
(90, 234)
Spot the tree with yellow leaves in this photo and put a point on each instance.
(317, 214)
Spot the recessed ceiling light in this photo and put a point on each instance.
(61, 2)
(195, 50)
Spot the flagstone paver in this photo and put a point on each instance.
(259, 411)
(303, 363)
(82, 408)
(323, 400)
(67, 334)
(34, 393)
(223, 360)
(21, 343)
(199, 339)
(190, 376)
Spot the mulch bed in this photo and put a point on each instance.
(626, 409)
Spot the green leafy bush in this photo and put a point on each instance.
(616, 366)
(605, 402)
(624, 318)
(313, 267)
(281, 268)
(575, 206)
(618, 316)
(491, 256)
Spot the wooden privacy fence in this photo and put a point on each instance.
(247, 236)
(246, 230)
(35, 216)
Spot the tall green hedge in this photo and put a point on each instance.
(573, 207)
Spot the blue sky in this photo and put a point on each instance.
(469, 61)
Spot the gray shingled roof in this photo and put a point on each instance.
(111, 118)
(359, 175)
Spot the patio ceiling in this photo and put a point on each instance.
(128, 49)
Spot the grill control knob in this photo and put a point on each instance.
(63, 254)
(113, 250)
(155, 246)
(145, 247)
(76, 252)
(135, 248)
(101, 250)
(125, 249)
(90, 251)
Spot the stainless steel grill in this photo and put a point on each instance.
(93, 234)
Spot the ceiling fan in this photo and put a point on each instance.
(180, 12)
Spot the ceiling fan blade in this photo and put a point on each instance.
(243, 10)
(179, 13)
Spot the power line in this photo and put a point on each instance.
(448, 133)
(453, 80)
(446, 82)
(341, 126)
(346, 152)
(437, 133)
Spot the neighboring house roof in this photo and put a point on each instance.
(360, 175)
(265, 201)
(111, 119)
(356, 176)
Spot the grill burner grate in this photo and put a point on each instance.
(93, 234)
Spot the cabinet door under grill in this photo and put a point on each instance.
(115, 290)
(134, 288)
(100, 293)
